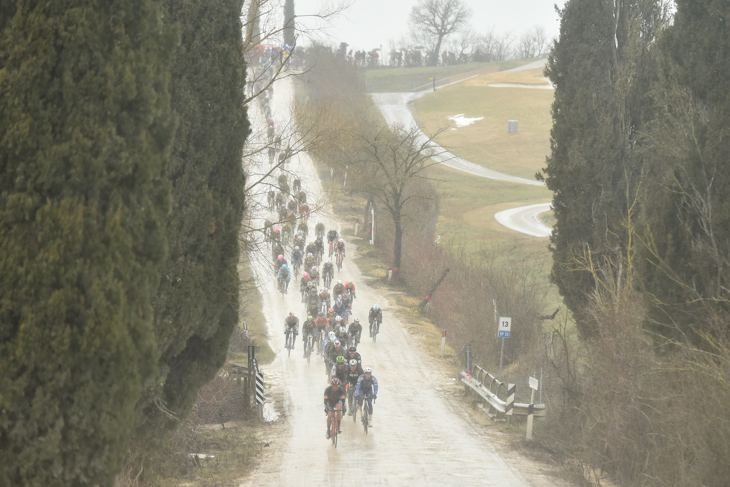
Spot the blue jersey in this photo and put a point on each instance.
(283, 273)
(365, 386)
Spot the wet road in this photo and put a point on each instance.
(419, 436)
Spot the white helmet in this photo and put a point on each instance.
(296, 248)
(338, 319)
(339, 282)
(332, 335)
(342, 240)
(368, 370)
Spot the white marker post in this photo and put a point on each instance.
(443, 344)
(531, 410)
(503, 331)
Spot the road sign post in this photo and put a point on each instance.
(531, 410)
(503, 331)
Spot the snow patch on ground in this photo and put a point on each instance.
(461, 121)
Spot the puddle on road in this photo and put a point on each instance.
(270, 413)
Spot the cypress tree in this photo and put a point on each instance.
(196, 306)
(687, 272)
(289, 23)
(85, 127)
(601, 68)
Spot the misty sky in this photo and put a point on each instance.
(368, 24)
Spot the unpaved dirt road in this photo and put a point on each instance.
(420, 436)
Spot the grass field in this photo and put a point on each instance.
(486, 142)
(392, 80)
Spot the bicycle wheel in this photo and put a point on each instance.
(288, 343)
(335, 430)
(353, 405)
(365, 416)
(309, 348)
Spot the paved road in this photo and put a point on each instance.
(395, 110)
(419, 436)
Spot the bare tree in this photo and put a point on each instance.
(436, 20)
(491, 47)
(532, 43)
(387, 164)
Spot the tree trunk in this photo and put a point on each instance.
(397, 241)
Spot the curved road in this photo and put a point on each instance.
(395, 110)
(420, 436)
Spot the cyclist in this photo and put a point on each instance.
(338, 289)
(303, 285)
(319, 247)
(340, 309)
(283, 273)
(322, 323)
(309, 328)
(291, 325)
(367, 390)
(328, 269)
(332, 395)
(324, 296)
(312, 295)
(375, 312)
(354, 371)
(311, 248)
(353, 354)
(350, 286)
(347, 301)
(332, 235)
(319, 229)
(328, 343)
(296, 256)
(280, 261)
(331, 316)
(341, 333)
(336, 350)
(355, 330)
(314, 274)
(309, 261)
(339, 369)
(341, 247)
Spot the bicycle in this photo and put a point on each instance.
(327, 279)
(283, 284)
(375, 328)
(308, 346)
(351, 401)
(332, 249)
(365, 412)
(297, 265)
(289, 344)
(354, 339)
(335, 425)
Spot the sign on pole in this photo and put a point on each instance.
(505, 326)
(534, 383)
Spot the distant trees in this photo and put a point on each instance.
(435, 20)
(86, 127)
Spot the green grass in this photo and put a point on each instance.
(392, 80)
(486, 142)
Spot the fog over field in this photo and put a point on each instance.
(368, 24)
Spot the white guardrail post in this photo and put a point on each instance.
(482, 382)
(260, 394)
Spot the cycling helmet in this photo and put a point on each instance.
(332, 335)
(342, 240)
(375, 307)
(276, 229)
(339, 301)
(296, 247)
(310, 317)
(291, 313)
(334, 229)
(306, 274)
(338, 319)
(352, 349)
(340, 359)
(339, 282)
(357, 320)
(313, 269)
(335, 382)
(310, 255)
(329, 261)
(337, 343)
(353, 362)
(309, 284)
(368, 370)
(324, 289)
(280, 257)
(283, 266)
(332, 310)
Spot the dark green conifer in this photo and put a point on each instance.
(85, 126)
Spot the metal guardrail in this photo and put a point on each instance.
(486, 386)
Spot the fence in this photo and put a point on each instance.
(480, 384)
